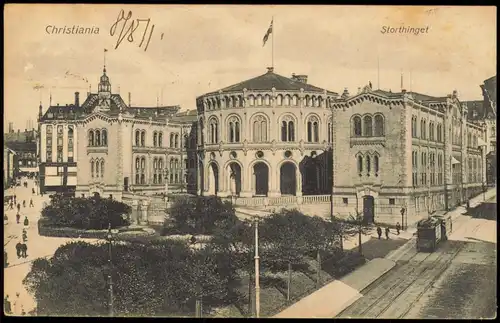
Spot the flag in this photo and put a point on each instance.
(266, 36)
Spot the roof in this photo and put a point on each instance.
(475, 110)
(22, 146)
(489, 88)
(416, 96)
(185, 116)
(269, 80)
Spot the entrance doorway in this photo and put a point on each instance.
(368, 209)
(288, 179)
(261, 175)
(213, 179)
(234, 177)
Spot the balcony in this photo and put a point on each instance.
(361, 141)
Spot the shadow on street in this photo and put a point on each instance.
(375, 248)
(487, 211)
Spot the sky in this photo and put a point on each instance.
(195, 49)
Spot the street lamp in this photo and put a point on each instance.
(257, 269)
(166, 173)
(403, 211)
(110, 278)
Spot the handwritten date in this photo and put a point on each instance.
(129, 27)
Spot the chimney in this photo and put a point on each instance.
(299, 78)
(129, 99)
(77, 99)
(270, 69)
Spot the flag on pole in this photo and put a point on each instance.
(266, 36)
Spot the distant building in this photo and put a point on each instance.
(9, 163)
(109, 147)
(24, 145)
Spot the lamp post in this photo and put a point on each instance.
(403, 211)
(257, 273)
(110, 278)
(166, 173)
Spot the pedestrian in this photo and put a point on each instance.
(18, 217)
(11, 205)
(24, 250)
(18, 207)
(379, 232)
(387, 233)
(19, 248)
(15, 199)
(33, 191)
(398, 227)
(25, 235)
(31, 203)
(26, 221)
(24, 203)
(7, 305)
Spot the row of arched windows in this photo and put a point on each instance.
(365, 163)
(158, 170)
(140, 139)
(472, 140)
(266, 99)
(98, 137)
(260, 129)
(431, 132)
(140, 170)
(475, 169)
(97, 168)
(157, 139)
(59, 143)
(368, 126)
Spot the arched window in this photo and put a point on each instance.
(137, 137)
(367, 126)
(97, 138)
(160, 139)
(102, 168)
(431, 131)
(172, 139)
(176, 139)
(155, 139)
(91, 138)
(424, 127)
(313, 129)
(104, 137)
(414, 126)
(330, 131)
(320, 101)
(279, 99)
(286, 100)
(214, 131)
(295, 100)
(307, 100)
(259, 129)
(376, 164)
(234, 129)
(267, 100)
(234, 101)
(92, 169)
(368, 165)
(259, 99)
(143, 170)
(251, 100)
(97, 168)
(379, 126)
(226, 102)
(143, 138)
(70, 143)
(356, 126)
(360, 164)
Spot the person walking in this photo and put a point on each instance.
(379, 232)
(18, 217)
(24, 203)
(7, 305)
(18, 207)
(387, 233)
(26, 221)
(31, 203)
(33, 191)
(398, 227)
(24, 250)
(11, 205)
(15, 199)
(19, 247)
(25, 235)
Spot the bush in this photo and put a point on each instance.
(199, 215)
(158, 279)
(339, 263)
(86, 213)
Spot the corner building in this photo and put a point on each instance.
(269, 136)
(404, 150)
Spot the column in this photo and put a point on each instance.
(274, 184)
(246, 180)
(134, 215)
(298, 188)
(144, 215)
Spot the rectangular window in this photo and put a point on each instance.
(392, 201)
(345, 200)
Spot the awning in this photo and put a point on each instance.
(481, 142)
(454, 161)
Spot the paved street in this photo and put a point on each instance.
(38, 246)
(456, 281)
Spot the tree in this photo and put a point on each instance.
(200, 214)
(86, 213)
(356, 225)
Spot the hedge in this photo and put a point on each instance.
(45, 229)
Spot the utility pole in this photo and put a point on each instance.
(257, 274)
(110, 278)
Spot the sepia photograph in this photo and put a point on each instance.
(250, 161)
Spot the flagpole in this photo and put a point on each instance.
(272, 45)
